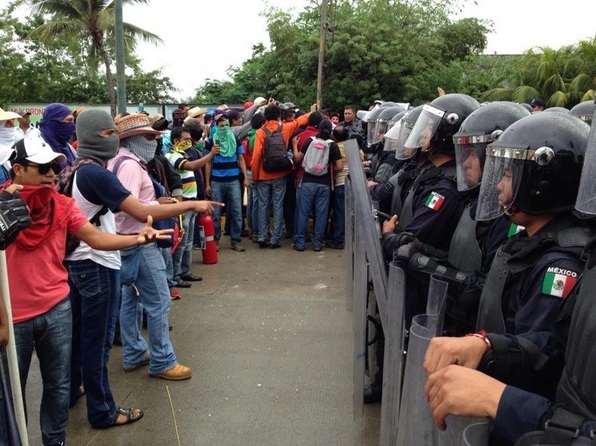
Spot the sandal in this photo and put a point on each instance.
(132, 415)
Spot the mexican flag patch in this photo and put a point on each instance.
(434, 201)
(558, 282)
(514, 229)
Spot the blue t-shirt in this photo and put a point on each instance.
(224, 168)
(110, 192)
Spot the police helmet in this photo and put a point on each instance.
(534, 166)
(393, 127)
(482, 127)
(398, 136)
(382, 122)
(556, 109)
(371, 124)
(439, 121)
(584, 111)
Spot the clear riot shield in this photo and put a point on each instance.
(415, 420)
(476, 434)
(416, 425)
(464, 431)
(394, 356)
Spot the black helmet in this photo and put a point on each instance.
(398, 135)
(482, 127)
(534, 166)
(439, 121)
(584, 111)
(383, 119)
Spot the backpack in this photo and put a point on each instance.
(316, 158)
(275, 154)
(64, 186)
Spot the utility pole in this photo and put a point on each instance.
(120, 77)
(321, 53)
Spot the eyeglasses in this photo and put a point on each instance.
(43, 169)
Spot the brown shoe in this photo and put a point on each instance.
(238, 247)
(176, 373)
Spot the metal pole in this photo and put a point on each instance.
(11, 352)
(321, 53)
(119, 37)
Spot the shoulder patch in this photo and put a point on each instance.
(558, 282)
(514, 230)
(434, 201)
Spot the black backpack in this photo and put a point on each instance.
(275, 154)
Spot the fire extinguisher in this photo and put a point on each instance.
(208, 243)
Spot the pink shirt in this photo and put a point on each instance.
(37, 278)
(136, 179)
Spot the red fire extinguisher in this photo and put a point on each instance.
(208, 243)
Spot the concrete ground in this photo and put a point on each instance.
(269, 340)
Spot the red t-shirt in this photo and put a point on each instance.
(37, 278)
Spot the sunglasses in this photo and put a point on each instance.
(45, 168)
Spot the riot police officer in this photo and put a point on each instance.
(532, 175)
(474, 243)
(512, 361)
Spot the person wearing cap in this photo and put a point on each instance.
(143, 270)
(7, 139)
(41, 309)
(537, 105)
(25, 129)
(197, 113)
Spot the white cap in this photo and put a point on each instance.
(35, 150)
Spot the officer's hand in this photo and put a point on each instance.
(371, 183)
(466, 351)
(14, 217)
(457, 390)
(390, 225)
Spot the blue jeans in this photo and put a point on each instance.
(252, 206)
(228, 192)
(50, 335)
(150, 289)
(339, 217)
(317, 195)
(182, 258)
(167, 258)
(271, 194)
(95, 299)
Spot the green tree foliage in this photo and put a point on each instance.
(393, 50)
(92, 24)
(58, 70)
(563, 77)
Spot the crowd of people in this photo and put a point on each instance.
(485, 193)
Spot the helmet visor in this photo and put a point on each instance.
(392, 136)
(469, 157)
(380, 130)
(398, 135)
(501, 179)
(426, 125)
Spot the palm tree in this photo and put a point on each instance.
(92, 23)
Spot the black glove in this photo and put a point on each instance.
(402, 238)
(14, 217)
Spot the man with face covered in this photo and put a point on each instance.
(143, 270)
(57, 127)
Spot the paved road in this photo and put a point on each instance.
(270, 343)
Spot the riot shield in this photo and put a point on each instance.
(416, 425)
(476, 434)
(394, 356)
(464, 431)
(349, 244)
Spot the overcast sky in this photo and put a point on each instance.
(203, 39)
